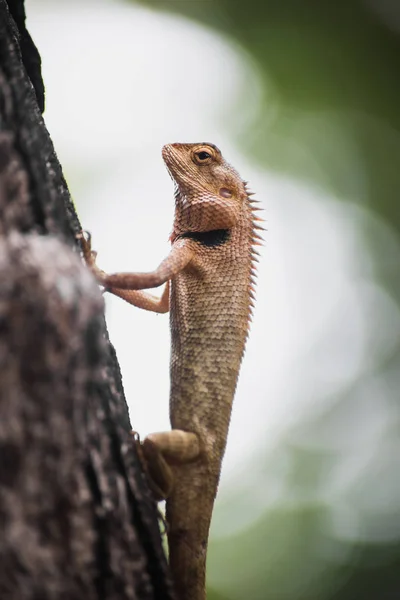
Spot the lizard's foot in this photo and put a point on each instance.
(90, 256)
(157, 492)
(158, 472)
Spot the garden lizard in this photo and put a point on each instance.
(209, 276)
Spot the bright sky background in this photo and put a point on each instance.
(121, 81)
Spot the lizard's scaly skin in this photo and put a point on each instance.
(211, 274)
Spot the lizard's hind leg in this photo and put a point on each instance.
(159, 451)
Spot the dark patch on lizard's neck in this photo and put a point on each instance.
(211, 239)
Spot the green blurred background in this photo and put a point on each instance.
(314, 514)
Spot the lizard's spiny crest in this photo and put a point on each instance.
(256, 240)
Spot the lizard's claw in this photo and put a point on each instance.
(136, 436)
(89, 255)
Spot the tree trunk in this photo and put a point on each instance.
(77, 518)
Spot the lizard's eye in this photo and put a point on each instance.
(202, 157)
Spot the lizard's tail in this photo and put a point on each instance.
(189, 510)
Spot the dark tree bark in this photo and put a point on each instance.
(77, 519)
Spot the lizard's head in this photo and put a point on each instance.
(209, 193)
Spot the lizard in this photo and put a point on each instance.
(210, 280)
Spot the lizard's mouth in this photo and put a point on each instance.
(170, 156)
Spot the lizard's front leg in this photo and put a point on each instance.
(143, 299)
(179, 257)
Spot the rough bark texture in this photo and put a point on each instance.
(76, 516)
